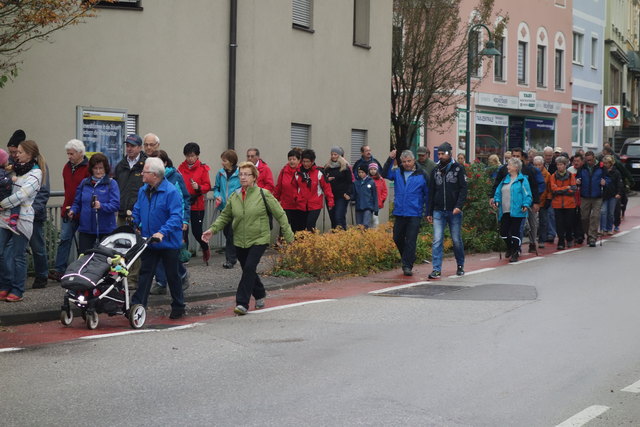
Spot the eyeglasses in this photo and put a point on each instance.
(150, 145)
(147, 172)
(245, 174)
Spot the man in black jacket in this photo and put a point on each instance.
(128, 174)
(447, 194)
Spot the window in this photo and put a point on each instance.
(558, 69)
(582, 124)
(615, 85)
(358, 139)
(303, 14)
(594, 52)
(578, 48)
(361, 12)
(474, 43)
(132, 124)
(522, 63)
(498, 65)
(540, 66)
(121, 4)
(300, 135)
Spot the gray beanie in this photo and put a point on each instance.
(338, 150)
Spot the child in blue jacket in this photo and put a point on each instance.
(365, 197)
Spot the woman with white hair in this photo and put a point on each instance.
(512, 198)
(74, 171)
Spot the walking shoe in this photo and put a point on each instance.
(13, 298)
(260, 303)
(541, 245)
(39, 283)
(514, 257)
(407, 271)
(3, 295)
(616, 229)
(561, 247)
(158, 290)
(55, 276)
(186, 282)
(434, 275)
(460, 271)
(569, 243)
(228, 265)
(206, 254)
(176, 313)
(579, 241)
(532, 247)
(592, 244)
(240, 310)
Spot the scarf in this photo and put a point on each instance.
(442, 165)
(231, 172)
(305, 176)
(22, 168)
(333, 164)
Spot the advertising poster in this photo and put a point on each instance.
(103, 130)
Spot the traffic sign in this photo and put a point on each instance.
(612, 115)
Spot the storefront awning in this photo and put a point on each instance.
(634, 61)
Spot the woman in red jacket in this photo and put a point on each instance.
(312, 185)
(196, 178)
(287, 190)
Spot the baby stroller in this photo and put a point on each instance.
(97, 281)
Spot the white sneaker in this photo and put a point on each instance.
(260, 303)
(240, 310)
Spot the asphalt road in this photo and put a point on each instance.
(543, 342)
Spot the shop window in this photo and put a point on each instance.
(539, 133)
(582, 124)
(361, 22)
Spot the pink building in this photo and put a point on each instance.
(525, 98)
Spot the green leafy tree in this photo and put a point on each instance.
(429, 63)
(23, 22)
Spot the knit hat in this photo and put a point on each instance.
(17, 137)
(338, 150)
(4, 157)
(445, 148)
(373, 165)
(363, 168)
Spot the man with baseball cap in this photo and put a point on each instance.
(128, 174)
(424, 161)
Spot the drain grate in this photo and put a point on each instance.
(486, 292)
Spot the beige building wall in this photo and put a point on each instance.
(169, 64)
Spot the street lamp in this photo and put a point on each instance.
(489, 50)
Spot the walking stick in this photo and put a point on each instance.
(601, 231)
(498, 226)
(94, 198)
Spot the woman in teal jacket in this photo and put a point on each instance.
(227, 181)
(512, 198)
(248, 210)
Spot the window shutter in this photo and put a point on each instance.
(132, 124)
(358, 139)
(302, 13)
(300, 135)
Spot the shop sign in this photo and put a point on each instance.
(526, 100)
(493, 100)
(548, 107)
(547, 124)
(492, 119)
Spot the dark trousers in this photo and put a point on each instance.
(229, 248)
(510, 232)
(311, 217)
(149, 264)
(196, 228)
(250, 283)
(565, 218)
(578, 232)
(405, 236)
(338, 215)
(296, 219)
(87, 241)
(621, 206)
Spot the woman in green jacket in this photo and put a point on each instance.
(248, 210)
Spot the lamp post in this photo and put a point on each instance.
(489, 50)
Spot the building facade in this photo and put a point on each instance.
(306, 73)
(587, 74)
(524, 100)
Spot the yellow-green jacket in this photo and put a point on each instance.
(250, 220)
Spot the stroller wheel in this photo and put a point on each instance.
(92, 320)
(66, 317)
(137, 316)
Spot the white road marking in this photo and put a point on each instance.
(117, 334)
(472, 272)
(633, 388)
(394, 288)
(622, 233)
(282, 307)
(536, 258)
(181, 327)
(566, 251)
(8, 349)
(636, 227)
(583, 417)
(487, 259)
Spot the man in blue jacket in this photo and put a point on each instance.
(591, 178)
(448, 189)
(411, 194)
(158, 213)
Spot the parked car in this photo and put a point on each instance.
(487, 145)
(630, 156)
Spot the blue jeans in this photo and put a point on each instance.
(440, 221)
(161, 274)
(338, 215)
(405, 236)
(39, 250)
(606, 214)
(67, 232)
(13, 262)
(150, 259)
(364, 217)
(551, 225)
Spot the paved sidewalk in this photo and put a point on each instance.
(207, 282)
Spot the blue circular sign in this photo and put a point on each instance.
(612, 113)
